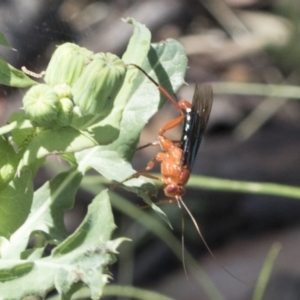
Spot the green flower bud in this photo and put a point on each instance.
(65, 113)
(41, 104)
(63, 90)
(67, 64)
(77, 111)
(100, 82)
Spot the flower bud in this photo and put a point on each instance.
(67, 64)
(100, 82)
(65, 113)
(41, 104)
(63, 90)
(77, 112)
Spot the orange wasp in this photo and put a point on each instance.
(177, 159)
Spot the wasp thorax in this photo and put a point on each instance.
(67, 64)
(100, 82)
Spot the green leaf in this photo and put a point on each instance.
(4, 42)
(81, 258)
(10, 272)
(92, 241)
(21, 129)
(19, 126)
(47, 211)
(113, 167)
(55, 141)
(166, 62)
(8, 163)
(12, 77)
(97, 226)
(15, 203)
(107, 162)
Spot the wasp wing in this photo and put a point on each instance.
(195, 123)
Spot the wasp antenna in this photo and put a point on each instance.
(145, 73)
(204, 241)
(183, 240)
(160, 88)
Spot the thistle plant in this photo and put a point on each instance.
(89, 111)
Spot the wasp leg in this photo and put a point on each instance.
(161, 202)
(155, 143)
(142, 172)
(171, 124)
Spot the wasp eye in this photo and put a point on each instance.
(172, 190)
